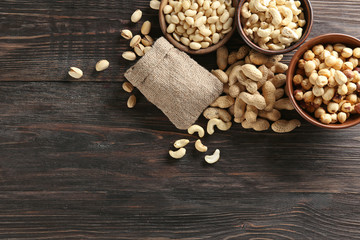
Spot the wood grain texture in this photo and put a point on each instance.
(75, 163)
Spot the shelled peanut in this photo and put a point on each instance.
(140, 45)
(327, 82)
(253, 90)
(199, 24)
(273, 24)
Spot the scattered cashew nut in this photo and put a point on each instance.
(211, 159)
(200, 147)
(181, 143)
(223, 126)
(196, 128)
(177, 154)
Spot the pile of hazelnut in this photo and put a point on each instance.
(327, 82)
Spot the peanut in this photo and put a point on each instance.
(259, 125)
(255, 100)
(223, 102)
(102, 65)
(283, 104)
(75, 72)
(131, 101)
(136, 16)
(283, 126)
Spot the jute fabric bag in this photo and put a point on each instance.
(175, 83)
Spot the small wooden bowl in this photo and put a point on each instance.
(182, 47)
(308, 12)
(331, 38)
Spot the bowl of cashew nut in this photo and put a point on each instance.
(323, 81)
(274, 26)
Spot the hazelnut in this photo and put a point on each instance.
(302, 104)
(349, 73)
(309, 55)
(347, 52)
(317, 102)
(346, 107)
(298, 95)
(310, 108)
(342, 117)
(334, 118)
(338, 98)
(357, 108)
(333, 107)
(326, 118)
(357, 69)
(298, 79)
(319, 112)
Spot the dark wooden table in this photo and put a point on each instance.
(75, 162)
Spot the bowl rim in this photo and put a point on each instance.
(325, 38)
(254, 46)
(182, 47)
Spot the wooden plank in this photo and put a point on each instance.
(76, 163)
(40, 39)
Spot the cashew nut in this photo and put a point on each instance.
(273, 46)
(211, 159)
(276, 16)
(196, 128)
(289, 33)
(291, 4)
(285, 40)
(181, 143)
(178, 154)
(245, 12)
(211, 113)
(263, 33)
(288, 15)
(223, 126)
(283, 126)
(262, 42)
(200, 147)
(258, 6)
(252, 20)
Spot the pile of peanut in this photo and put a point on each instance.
(327, 82)
(253, 91)
(253, 95)
(273, 24)
(201, 23)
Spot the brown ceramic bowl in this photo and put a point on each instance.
(182, 47)
(331, 38)
(308, 12)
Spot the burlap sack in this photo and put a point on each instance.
(175, 83)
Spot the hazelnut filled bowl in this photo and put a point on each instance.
(323, 81)
(197, 27)
(274, 27)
